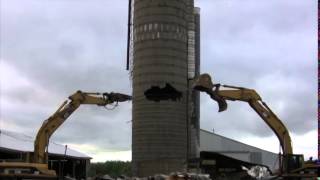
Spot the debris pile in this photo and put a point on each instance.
(172, 176)
(257, 172)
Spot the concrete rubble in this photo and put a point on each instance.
(258, 172)
(172, 176)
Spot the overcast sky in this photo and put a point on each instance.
(49, 49)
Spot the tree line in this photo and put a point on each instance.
(112, 168)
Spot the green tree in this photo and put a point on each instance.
(112, 168)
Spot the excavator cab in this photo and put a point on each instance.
(293, 162)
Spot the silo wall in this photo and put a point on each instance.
(160, 51)
(194, 96)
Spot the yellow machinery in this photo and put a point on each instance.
(38, 168)
(291, 165)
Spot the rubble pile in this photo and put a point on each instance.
(172, 176)
(258, 172)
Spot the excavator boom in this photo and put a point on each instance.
(38, 168)
(233, 93)
(50, 125)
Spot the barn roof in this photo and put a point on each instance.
(20, 142)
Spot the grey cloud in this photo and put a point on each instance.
(60, 41)
(110, 129)
(63, 46)
(244, 43)
(105, 129)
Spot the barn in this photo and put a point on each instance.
(220, 154)
(17, 147)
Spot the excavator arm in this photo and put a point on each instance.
(50, 125)
(204, 84)
(38, 168)
(291, 165)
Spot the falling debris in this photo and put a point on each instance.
(155, 93)
(257, 172)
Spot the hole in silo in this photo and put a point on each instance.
(155, 93)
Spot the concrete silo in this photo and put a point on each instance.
(160, 132)
(193, 96)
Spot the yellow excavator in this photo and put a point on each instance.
(290, 165)
(38, 167)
